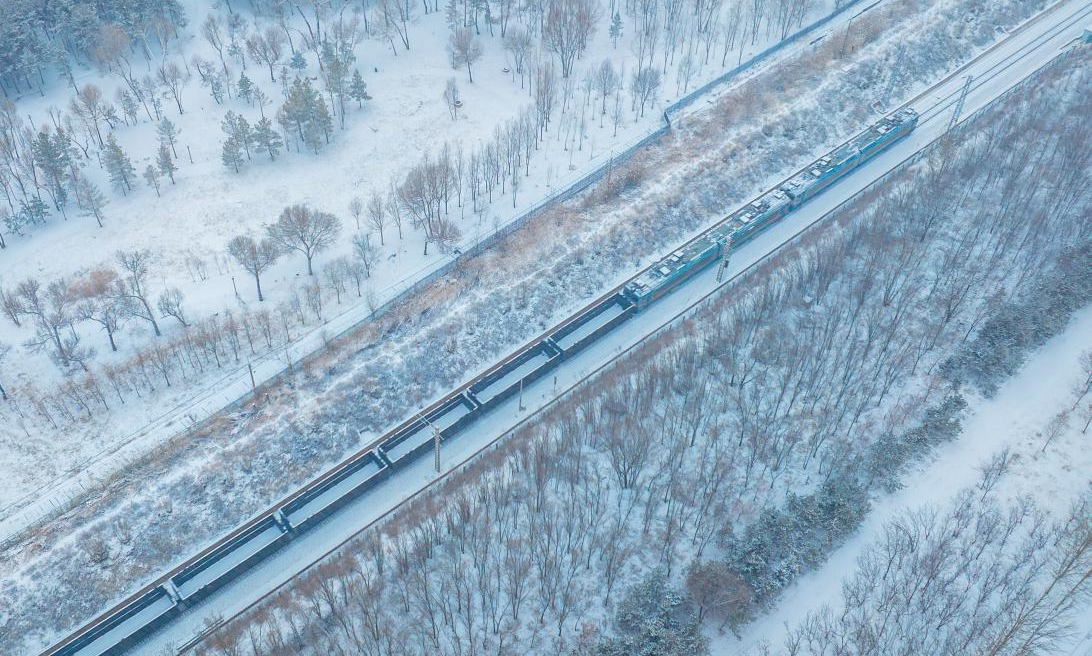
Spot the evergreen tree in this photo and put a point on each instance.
(238, 138)
(243, 134)
(246, 88)
(129, 105)
(298, 62)
(320, 117)
(615, 28)
(166, 165)
(266, 139)
(13, 222)
(151, 176)
(313, 137)
(118, 165)
(231, 154)
(216, 89)
(34, 211)
(51, 155)
(168, 135)
(306, 114)
(358, 89)
(298, 108)
(89, 197)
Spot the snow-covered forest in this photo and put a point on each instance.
(162, 146)
(469, 322)
(693, 481)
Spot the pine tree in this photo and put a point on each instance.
(13, 222)
(129, 105)
(246, 88)
(232, 153)
(266, 139)
(298, 62)
(34, 211)
(615, 28)
(168, 135)
(151, 176)
(320, 116)
(243, 134)
(166, 165)
(89, 197)
(358, 90)
(51, 155)
(313, 137)
(216, 89)
(118, 166)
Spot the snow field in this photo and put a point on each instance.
(194, 219)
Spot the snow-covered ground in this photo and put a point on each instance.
(47, 466)
(1015, 418)
(375, 504)
(141, 511)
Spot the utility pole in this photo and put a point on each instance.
(435, 441)
(959, 103)
(726, 255)
(521, 408)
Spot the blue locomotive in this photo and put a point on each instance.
(758, 215)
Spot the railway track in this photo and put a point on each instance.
(928, 113)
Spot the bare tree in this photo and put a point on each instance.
(134, 286)
(377, 214)
(174, 79)
(719, 591)
(90, 106)
(465, 49)
(365, 251)
(644, 87)
(254, 256)
(519, 43)
(606, 81)
(52, 311)
(356, 210)
(394, 209)
(267, 48)
(213, 31)
(451, 98)
(170, 305)
(337, 272)
(99, 305)
(303, 229)
(567, 26)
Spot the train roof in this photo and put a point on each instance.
(672, 263)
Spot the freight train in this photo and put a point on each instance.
(127, 624)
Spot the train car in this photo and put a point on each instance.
(505, 381)
(210, 572)
(333, 492)
(125, 628)
(416, 437)
(591, 324)
(670, 272)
